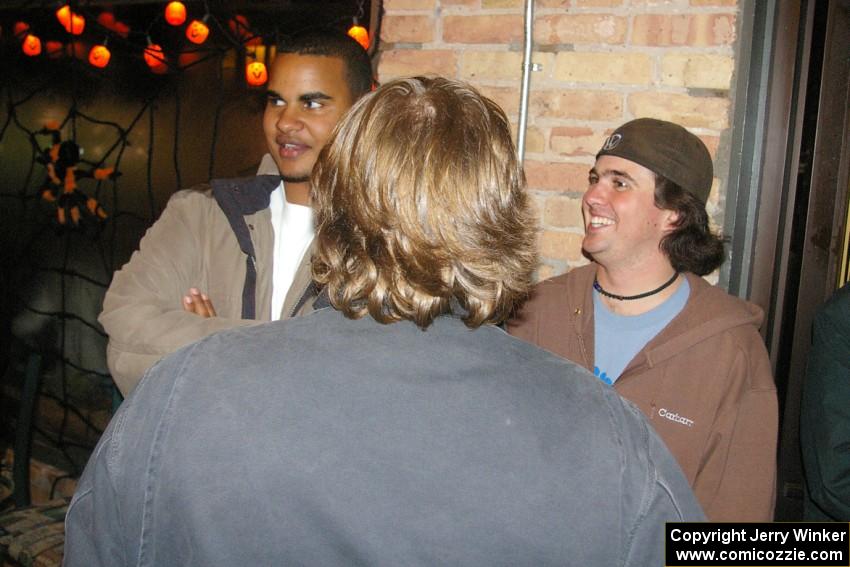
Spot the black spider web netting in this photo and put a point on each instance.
(141, 136)
(55, 273)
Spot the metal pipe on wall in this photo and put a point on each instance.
(374, 22)
(527, 67)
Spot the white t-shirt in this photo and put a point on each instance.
(293, 233)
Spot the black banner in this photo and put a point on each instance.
(807, 544)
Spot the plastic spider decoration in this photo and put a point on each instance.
(62, 161)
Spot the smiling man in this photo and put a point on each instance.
(234, 252)
(642, 319)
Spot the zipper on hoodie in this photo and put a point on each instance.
(588, 363)
(577, 328)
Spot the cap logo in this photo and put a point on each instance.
(612, 142)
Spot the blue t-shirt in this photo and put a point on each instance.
(618, 338)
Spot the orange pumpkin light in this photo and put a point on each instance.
(155, 58)
(121, 29)
(175, 13)
(31, 45)
(241, 30)
(239, 27)
(77, 25)
(256, 74)
(99, 56)
(106, 19)
(360, 35)
(197, 32)
(54, 49)
(20, 29)
(63, 14)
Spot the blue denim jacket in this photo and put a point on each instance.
(328, 441)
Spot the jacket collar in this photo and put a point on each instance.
(237, 198)
(244, 196)
(708, 312)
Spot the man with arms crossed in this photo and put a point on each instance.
(640, 317)
(398, 425)
(235, 251)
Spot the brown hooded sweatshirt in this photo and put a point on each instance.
(704, 382)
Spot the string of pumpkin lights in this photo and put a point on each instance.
(176, 14)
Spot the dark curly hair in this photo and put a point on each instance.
(331, 43)
(691, 246)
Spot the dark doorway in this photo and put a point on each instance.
(815, 226)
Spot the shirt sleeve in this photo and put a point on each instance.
(737, 479)
(825, 417)
(109, 520)
(93, 524)
(668, 498)
(142, 309)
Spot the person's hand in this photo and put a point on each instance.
(198, 303)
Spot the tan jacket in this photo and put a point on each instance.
(192, 245)
(704, 382)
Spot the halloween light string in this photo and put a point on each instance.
(237, 32)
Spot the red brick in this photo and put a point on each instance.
(575, 141)
(407, 29)
(594, 67)
(581, 105)
(535, 139)
(482, 29)
(698, 70)
(390, 5)
(640, 4)
(501, 4)
(499, 65)
(559, 177)
(597, 3)
(406, 62)
(505, 97)
(537, 203)
(712, 143)
(490, 65)
(563, 212)
(697, 30)
(689, 111)
(580, 28)
(561, 245)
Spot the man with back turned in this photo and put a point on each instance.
(397, 424)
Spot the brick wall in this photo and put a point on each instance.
(604, 62)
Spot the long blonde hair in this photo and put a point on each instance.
(421, 207)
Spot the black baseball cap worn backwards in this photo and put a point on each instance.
(666, 149)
